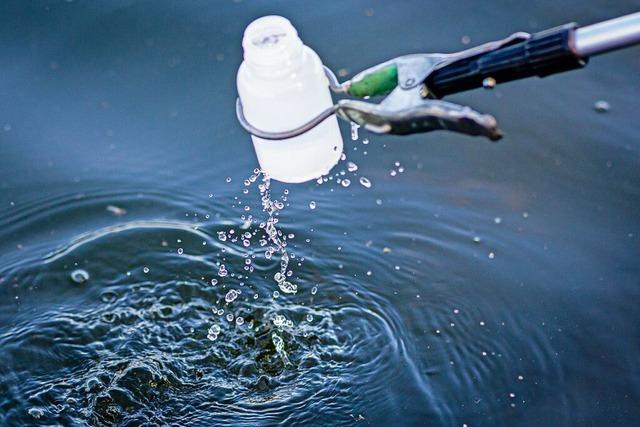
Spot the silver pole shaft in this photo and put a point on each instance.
(608, 35)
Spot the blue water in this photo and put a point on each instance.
(486, 284)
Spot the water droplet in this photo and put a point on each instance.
(354, 131)
(222, 236)
(36, 413)
(312, 205)
(146, 270)
(309, 317)
(278, 343)
(180, 251)
(492, 255)
(108, 297)
(365, 141)
(79, 276)
(489, 83)
(497, 220)
(279, 320)
(365, 182)
(314, 290)
(228, 179)
(393, 172)
(352, 167)
(602, 106)
(276, 294)
(231, 296)
(222, 271)
(214, 282)
(230, 317)
(116, 210)
(239, 321)
(213, 332)
(476, 239)
(287, 287)
(345, 182)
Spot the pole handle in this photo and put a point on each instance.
(547, 52)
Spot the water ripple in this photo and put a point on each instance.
(130, 344)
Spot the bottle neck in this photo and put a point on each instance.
(272, 48)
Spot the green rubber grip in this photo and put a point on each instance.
(380, 82)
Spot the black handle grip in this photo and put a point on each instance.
(544, 53)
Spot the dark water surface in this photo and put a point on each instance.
(484, 285)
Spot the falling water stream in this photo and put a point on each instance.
(272, 240)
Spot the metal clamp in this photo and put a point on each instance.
(408, 108)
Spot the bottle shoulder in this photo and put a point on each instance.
(309, 74)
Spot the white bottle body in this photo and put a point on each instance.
(281, 90)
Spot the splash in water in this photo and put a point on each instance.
(273, 242)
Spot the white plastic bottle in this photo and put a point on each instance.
(282, 85)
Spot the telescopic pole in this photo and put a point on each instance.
(608, 35)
